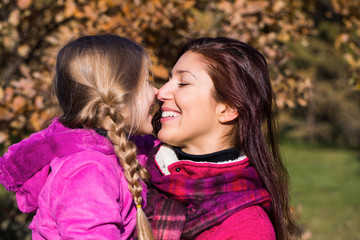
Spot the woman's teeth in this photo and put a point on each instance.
(169, 114)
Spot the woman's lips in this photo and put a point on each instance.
(169, 114)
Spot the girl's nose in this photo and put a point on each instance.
(156, 91)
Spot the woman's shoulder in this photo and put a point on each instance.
(144, 144)
(250, 223)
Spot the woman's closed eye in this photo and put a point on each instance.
(182, 84)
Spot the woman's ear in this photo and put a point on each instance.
(227, 113)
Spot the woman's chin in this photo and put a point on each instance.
(163, 136)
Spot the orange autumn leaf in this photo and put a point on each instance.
(3, 137)
(14, 17)
(35, 121)
(23, 4)
(18, 104)
(8, 94)
(70, 8)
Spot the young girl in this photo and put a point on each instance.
(219, 175)
(92, 188)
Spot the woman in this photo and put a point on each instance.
(219, 175)
(81, 175)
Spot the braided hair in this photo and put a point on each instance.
(95, 80)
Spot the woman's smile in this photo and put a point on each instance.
(169, 114)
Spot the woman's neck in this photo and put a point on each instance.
(206, 147)
(215, 157)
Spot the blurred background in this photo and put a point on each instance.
(312, 48)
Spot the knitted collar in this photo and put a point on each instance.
(181, 207)
(215, 157)
(166, 156)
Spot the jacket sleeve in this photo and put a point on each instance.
(22, 160)
(88, 206)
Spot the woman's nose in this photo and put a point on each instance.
(164, 93)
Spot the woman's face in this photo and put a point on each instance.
(190, 114)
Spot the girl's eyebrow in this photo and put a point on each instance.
(181, 72)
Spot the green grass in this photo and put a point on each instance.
(325, 184)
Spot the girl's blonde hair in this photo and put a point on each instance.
(97, 79)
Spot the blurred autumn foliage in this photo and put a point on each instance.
(31, 32)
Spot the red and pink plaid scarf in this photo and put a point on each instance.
(181, 208)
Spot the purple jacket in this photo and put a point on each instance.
(72, 179)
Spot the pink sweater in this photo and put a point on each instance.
(252, 223)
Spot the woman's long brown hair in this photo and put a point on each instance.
(241, 79)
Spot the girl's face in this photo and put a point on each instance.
(145, 103)
(190, 114)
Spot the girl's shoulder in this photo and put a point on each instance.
(69, 165)
(62, 172)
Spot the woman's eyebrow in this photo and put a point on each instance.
(181, 72)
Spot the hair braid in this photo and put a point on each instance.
(95, 78)
(114, 123)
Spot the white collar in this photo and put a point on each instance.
(166, 156)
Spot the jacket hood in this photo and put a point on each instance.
(26, 165)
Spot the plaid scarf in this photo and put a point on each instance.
(181, 208)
